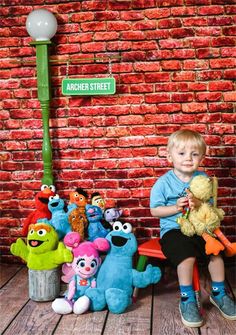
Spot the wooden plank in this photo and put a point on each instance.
(13, 296)
(166, 315)
(90, 323)
(35, 318)
(7, 271)
(137, 318)
(215, 323)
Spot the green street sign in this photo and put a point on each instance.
(88, 86)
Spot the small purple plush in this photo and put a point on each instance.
(112, 214)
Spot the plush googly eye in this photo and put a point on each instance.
(127, 228)
(184, 294)
(51, 197)
(117, 226)
(93, 263)
(31, 232)
(52, 188)
(81, 263)
(44, 187)
(42, 232)
(56, 196)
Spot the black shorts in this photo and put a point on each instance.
(177, 247)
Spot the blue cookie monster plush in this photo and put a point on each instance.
(116, 277)
(59, 218)
(94, 215)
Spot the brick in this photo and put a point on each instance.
(118, 26)
(230, 96)
(220, 21)
(222, 63)
(223, 41)
(144, 25)
(156, 77)
(182, 97)
(208, 96)
(220, 107)
(207, 53)
(171, 65)
(157, 98)
(228, 52)
(93, 26)
(184, 76)
(157, 13)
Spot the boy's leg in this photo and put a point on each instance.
(188, 306)
(181, 251)
(219, 297)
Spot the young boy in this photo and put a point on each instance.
(185, 150)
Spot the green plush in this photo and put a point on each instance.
(43, 250)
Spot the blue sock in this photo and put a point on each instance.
(218, 289)
(187, 293)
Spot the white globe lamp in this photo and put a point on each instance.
(41, 25)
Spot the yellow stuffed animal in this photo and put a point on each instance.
(205, 221)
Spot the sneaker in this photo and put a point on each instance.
(226, 306)
(190, 314)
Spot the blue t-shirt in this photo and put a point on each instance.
(165, 192)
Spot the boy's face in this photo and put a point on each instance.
(185, 158)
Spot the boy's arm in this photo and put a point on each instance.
(163, 211)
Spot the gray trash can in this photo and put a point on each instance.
(44, 285)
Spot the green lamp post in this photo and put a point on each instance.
(41, 26)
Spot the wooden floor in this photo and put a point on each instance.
(155, 312)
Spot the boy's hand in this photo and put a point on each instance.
(194, 203)
(181, 203)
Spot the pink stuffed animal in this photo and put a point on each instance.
(80, 273)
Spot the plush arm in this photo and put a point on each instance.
(150, 276)
(93, 283)
(20, 249)
(71, 289)
(62, 254)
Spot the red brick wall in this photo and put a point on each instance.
(177, 69)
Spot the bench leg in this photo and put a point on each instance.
(140, 267)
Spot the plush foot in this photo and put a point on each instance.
(81, 305)
(62, 306)
(117, 300)
(230, 249)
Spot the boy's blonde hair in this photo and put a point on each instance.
(184, 136)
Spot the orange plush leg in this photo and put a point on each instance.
(212, 246)
(230, 248)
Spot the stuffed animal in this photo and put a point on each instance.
(95, 228)
(84, 266)
(116, 277)
(112, 214)
(78, 221)
(79, 197)
(205, 221)
(97, 200)
(59, 218)
(43, 250)
(41, 205)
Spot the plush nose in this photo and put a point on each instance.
(87, 268)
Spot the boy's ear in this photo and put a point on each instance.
(169, 158)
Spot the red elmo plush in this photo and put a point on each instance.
(41, 204)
